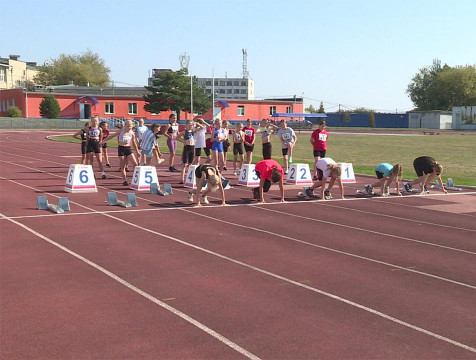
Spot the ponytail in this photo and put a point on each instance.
(397, 172)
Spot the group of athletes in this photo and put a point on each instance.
(143, 141)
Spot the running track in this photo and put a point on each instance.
(381, 278)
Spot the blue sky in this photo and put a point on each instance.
(356, 53)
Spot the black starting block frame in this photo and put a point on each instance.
(155, 189)
(113, 201)
(63, 204)
(450, 185)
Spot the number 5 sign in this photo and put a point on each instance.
(80, 178)
(143, 177)
(347, 173)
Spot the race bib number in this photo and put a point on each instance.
(286, 137)
(248, 132)
(323, 137)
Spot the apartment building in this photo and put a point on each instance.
(15, 73)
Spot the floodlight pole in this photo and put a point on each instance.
(191, 98)
(213, 94)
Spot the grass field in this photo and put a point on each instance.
(457, 153)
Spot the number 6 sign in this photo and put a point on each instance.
(80, 178)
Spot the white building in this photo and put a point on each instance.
(430, 119)
(229, 88)
(15, 73)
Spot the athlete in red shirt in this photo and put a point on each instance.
(268, 171)
(249, 140)
(319, 143)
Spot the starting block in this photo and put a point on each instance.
(450, 185)
(112, 200)
(155, 189)
(248, 176)
(63, 205)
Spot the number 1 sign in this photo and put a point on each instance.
(143, 177)
(80, 178)
(347, 173)
(299, 174)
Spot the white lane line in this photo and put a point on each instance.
(371, 231)
(393, 266)
(282, 278)
(149, 297)
(394, 217)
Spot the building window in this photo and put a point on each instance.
(229, 83)
(272, 110)
(221, 91)
(229, 91)
(288, 110)
(216, 82)
(243, 83)
(241, 110)
(209, 83)
(236, 83)
(109, 108)
(209, 91)
(244, 91)
(236, 91)
(222, 83)
(132, 108)
(2, 75)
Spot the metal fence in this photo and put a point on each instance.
(28, 123)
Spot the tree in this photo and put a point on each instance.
(422, 87)
(171, 91)
(81, 69)
(371, 120)
(321, 108)
(14, 111)
(311, 109)
(49, 107)
(441, 88)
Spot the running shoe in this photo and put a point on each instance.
(327, 195)
(160, 161)
(408, 187)
(425, 190)
(171, 169)
(369, 189)
(308, 192)
(286, 172)
(224, 168)
(255, 193)
(190, 196)
(205, 200)
(222, 178)
(127, 169)
(174, 169)
(104, 177)
(108, 165)
(387, 191)
(235, 173)
(290, 159)
(125, 183)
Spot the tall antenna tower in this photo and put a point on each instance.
(246, 74)
(184, 60)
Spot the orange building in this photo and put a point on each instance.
(128, 103)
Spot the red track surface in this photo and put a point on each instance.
(381, 278)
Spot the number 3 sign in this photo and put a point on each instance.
(80, 178)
